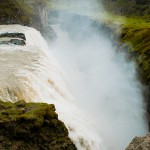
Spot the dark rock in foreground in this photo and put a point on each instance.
(32, 126)
(140, 143)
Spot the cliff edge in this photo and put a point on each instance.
(32, 126)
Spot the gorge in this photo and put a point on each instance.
(83, 72)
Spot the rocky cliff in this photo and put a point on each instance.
(31, 13)
(140, 143)
(128, 7)
(32, 126)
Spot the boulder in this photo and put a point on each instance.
(140, 143)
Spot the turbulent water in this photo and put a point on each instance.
(106, 110)
(104, 84)
(31, 73)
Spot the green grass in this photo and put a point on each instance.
(34, 113)
(135, 32)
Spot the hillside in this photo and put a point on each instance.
(128, 7)
(134, 20)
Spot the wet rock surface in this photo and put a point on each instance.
(13, 35)
(13, 41)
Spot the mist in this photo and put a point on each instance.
(104, 84)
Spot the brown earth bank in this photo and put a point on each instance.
(32, 126)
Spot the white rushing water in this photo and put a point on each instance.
(31, 73)
(102, 85)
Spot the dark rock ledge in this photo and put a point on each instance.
(14, 38)
(32, 126)
(13, 35)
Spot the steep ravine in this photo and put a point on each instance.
(135, 38)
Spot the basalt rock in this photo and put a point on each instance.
(32, 126)
(13, 35)
(14, 42)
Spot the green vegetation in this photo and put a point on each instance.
(136, 32)
(28, 13)
(20, 111)
(32, 126)
(127, 7)
(10, 12)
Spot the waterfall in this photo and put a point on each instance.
(96, 94)
(26, 69)
(32, 74)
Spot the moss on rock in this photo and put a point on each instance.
(139, 41)
(32, 126)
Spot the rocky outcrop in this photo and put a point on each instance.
(141, 2)
(12, 38)
(137, 40)
(32, 126)
(127, 7)
(13, 42)
(31, 13)
(140, 143)
(13, 35)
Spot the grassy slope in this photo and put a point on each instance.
(132, 22)
(136, 32)
(134, 19)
